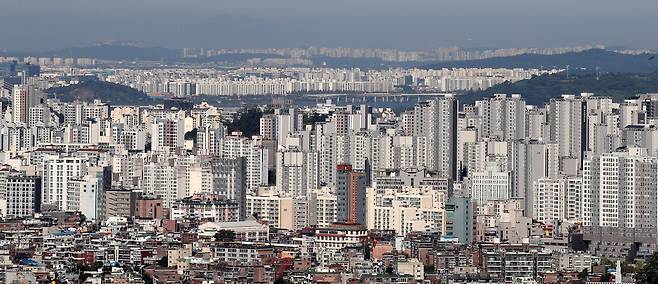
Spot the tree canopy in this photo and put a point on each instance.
(100, 90)
(225, 235)
(649, 272)
(247, 122)
(540, 89)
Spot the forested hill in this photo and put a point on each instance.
(540, 89)
(105, 91)
(587, 61)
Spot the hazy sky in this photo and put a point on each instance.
(406, 24)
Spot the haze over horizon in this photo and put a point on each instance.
(411, 24)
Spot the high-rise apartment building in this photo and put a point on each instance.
(23, 98)
(229, 180)
(167, 134)
(436, 120)
(619, 190)
(503, 117)
(351, 195)
(57, 172)
(20, 195)
(567, 120)
(235, 146)
(557, 199)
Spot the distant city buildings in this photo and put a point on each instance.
(284, 81)
(386, 55)
(498, 190)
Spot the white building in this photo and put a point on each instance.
(165, 180)
(255, 155)
(57, 172)
(619, 190)
(557, 200)
(412, 267)
(268, 206)
(85, 195)
(297, 172)
(322, 207)
(491, 184)
(205, 208)
(502, 117)
(167, 134)
(406, 210)
(248, 231)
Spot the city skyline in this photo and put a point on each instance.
(343, 141)
(498, 189)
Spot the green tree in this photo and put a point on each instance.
(605, 261)
(313, 118)
(164, 261)
(628, 267)
(606, 277)
(191, 135)
(649, 272)
(389, 270)
(583, 274)
(97, 265)
(429, 269)
(247, 121)
(639, 265)
(281, 281)
(225, 235)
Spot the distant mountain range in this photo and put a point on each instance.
(121, 52)
(578, 62)
(109, 52)
(541, 89)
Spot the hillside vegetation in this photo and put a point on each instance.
(587, 61)
(105, 91)
(540, 89)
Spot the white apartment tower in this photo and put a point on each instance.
(557, 199)
(255, 155)
(406, 210)
(437, 121)
(502, 117)
(494, 183)
(619, 190)
(566, 118)
(57, 172)
(167, 134)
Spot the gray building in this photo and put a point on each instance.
(351, 195)
(530, 160)
(567, 120)
(397, 179)
(507, 262)
(459, 215)
(502, 117)
(229, 180)
(436, 121)
(120, 202)
(627, 243)
(22, 195)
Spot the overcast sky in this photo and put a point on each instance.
(27, 25)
